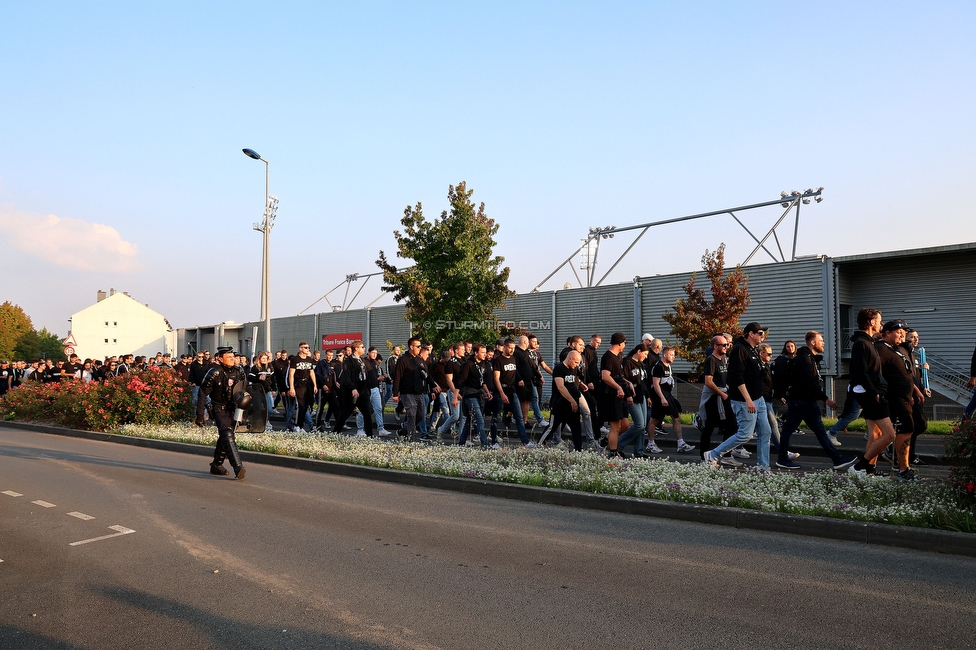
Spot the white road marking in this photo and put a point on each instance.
(80, 515)
(11, 493)
(44, 504)
(122, 530)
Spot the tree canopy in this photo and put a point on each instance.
(696, 319)
(14, 323)
(455, 282)
(37, 345)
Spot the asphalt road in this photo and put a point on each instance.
(291, 559)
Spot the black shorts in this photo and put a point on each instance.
(673, 409)
(900, 412)
(613, 408)
(872, 409)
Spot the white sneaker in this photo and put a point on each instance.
(833, 440)
(360, 434)
(496, 446)
(684, 446)
(739, 452)
(709, 459)
(530, 445)
(383, 433)
(543, 423)
(605, 429)
(793, 455)
(728, 461)
(652, 448)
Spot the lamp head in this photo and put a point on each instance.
(251, 153)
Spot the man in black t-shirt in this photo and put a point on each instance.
(505, 371)
(613, 408)
(566, 394)
(472, 382)
(301, 387)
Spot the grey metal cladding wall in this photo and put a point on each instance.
(912, 287)
(387, 324)
(288, 332)
(532, 312)
(787, 297)
(595, 310)
(340, 322)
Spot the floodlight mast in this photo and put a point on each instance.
(591, 244)
(270, 213)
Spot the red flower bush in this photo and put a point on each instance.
(960, 447)
(154, 396)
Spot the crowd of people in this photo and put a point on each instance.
(609, 403)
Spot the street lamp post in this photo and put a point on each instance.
(270, 212)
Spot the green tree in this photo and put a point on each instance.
(455, 282)
(38, 345)
(696, 319)
(14, 323)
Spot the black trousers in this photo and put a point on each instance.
(364, 406)
(304, 398)
(226, 440)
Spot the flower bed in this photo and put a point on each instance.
(929, 504)
(153, 396)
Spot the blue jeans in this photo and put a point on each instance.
(748, 423)
(853, 412)
(450, 411)
(473, 405)
(422, 420)
(971, 407)
(534, 404)
(635, 434)
(809, 412)
(516, 406)
(374, 400)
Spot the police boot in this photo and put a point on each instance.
(219, 470)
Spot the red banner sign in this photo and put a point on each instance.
(334, 341)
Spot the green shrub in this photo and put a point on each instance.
(960, 445)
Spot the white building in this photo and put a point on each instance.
(117, 324)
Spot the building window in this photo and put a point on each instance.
(115, 324)
(114, 341)
(106, 323)
(106, 340)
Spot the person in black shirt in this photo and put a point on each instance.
(505, 371)
(746, 394)
(410, 383)
(262, 373)
(472, 382)
(301, 387)
(898, 372)
(636, 374)
(219, 384)
(616, 389)
(566, 395)
(804, 391)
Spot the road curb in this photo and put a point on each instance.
(908, 537)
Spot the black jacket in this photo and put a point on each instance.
(866, 366)
(804, 377)
(745, 367)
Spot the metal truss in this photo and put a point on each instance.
(590, 247)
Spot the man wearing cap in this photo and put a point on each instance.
(898, 371)
(219, 385)
(746, 395)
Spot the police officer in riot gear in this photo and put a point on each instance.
(222, 384)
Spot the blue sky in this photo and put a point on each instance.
(122, 124)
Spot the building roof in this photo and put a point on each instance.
(913, 252)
